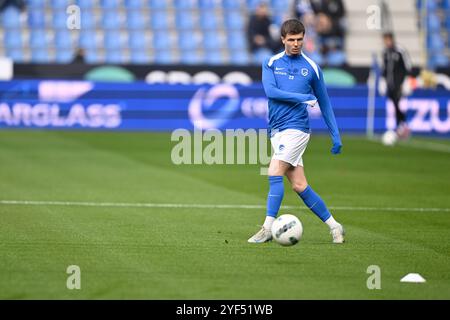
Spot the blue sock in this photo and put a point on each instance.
(315, 203)
(275, 196)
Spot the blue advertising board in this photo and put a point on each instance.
(84, 105)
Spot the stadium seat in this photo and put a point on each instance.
(135, 4)
(88, 19)
(35, 4)
(88, 40)
(236, 40)
(138, 41)
(185, 21)
(10, 18)
(212, 41)
(114, 40)
(158, 4)
(336, 58)
(63, 40)
(186, 4)
(188, 40)
(17, 55)
(36, 18)
(110, 4)
(86, 4)
(435, 42)
(92, 56)
(59, 19)
(191, 57)
(112, 19)
(38, 38)
(40, 56)
(433, 22)
(136, 19)
(213, 57)
(239, 57)
(159, 20)
(161, 41)
(208, 20)
(13, 40)
(164, 57)
(279, 5)
(140, 57)
(59, 4)
(440, 60)
(234, 20)
(64, 56)
(114, 56)
(232, 4)
(207, 4)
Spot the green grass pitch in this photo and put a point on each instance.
(132, 252)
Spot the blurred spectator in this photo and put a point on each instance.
(327, 19)
(79, 56)
(396, 67)
(260, 41)
(20, 4)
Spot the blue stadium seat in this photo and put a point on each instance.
(13, 40)
(191, 57)
(60, 4)
(10, 18)
(136, 19)
(213, 58)
(279, 5)
(161, 41)
(184, 21)
(40, 56)
(36, 18)
(36, 4)
(113, 40)
(85, 4)
(64, 56)
(433, 22)
(234, 20)
(164, 57)
(87, 39)
(63, 40)
(207, 4)
(59, 19)
(92, 56)
(38, 38)
(111, 19)
(189, 41)
(137, 41)
(159, 20)
(435, 42)
(232, 4)
(140, 57)
(17, 55)
(110, 4)
(88, 19)
(239, 57)
(158, 4)
(135, 4)
(236, 40)
(336, 58)
(114, 57)
(211, 41)
(186, 4)
(208, 20)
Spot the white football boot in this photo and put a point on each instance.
(338, 234)
(261, 236)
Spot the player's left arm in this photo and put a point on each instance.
(320, 91)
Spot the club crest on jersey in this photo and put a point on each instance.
(281, 147)
(304, 72)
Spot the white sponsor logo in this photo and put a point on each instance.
(279, 68)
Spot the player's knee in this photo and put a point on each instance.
(299, 186)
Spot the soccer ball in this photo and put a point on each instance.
(287, 230)
(389, 138)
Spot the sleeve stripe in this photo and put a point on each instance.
(275, 57)
(313, 64)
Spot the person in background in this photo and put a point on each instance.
(260, 41)
(396, 67)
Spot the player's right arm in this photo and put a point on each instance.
(273, 92)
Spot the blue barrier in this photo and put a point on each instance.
(82, 105)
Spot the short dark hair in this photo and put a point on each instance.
(292, 26)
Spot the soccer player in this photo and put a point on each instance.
(292, 81)
(396, 66)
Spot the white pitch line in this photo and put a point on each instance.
(201, 206)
